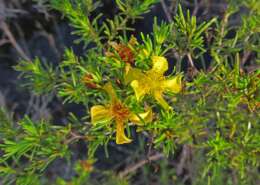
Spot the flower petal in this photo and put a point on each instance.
(111, 92)
(159, 98)
(140, 89)
(100, 113)
(174, 84)
(142, 117)
(160, 65)
(120, 134)
(132, 74)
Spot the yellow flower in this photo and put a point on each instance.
(117, 112)
(153, 81)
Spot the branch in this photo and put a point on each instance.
(4, 41)
(192, 67)
(245, 58)
(12, 40)
(196, 8)
(166, 11)
(190, 60)
(139, 164)
(74, 137)
(185, 156)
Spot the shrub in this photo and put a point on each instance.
(208, 110)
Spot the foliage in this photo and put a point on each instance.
(127, 85)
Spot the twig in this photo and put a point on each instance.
(234, 177)
(4, 41)
(139, 164)
(196, 8)
(223, 26)
(166, 11)
(51, 41)
(12, 40)
(186, 152)
(23, 42)
(74, 137)
(193, 68)
(150, 146)
(245, 58)
(252, 68)
(190, 60)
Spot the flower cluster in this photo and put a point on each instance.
(116, 111)
(151, 82)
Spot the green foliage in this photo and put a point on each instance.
(89, 29)
(41, 77)
(40, 143)
(135, 8)
(6, 129)
(187, 35)
(215, 110)
(78, 14)
(72, 86)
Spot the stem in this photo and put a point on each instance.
(185, 156)
(120, 27)
(74, 137)
(196, 8)
(178, 64)
(139, 164)
(190, 60)
(95, 35)
(223, 26)
(12, 40)
(166, 11)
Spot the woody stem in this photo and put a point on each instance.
(190, 60)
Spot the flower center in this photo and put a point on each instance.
(155, 80)
(120, 112)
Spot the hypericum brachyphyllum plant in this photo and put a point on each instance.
(127, 85)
